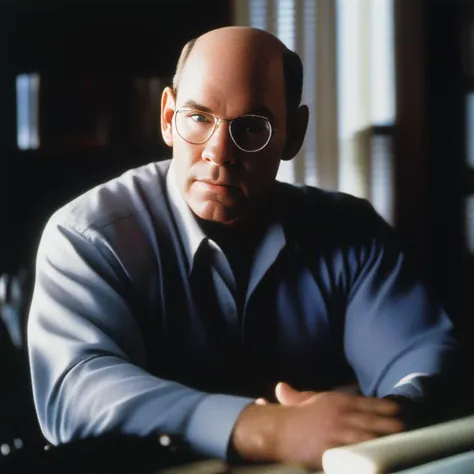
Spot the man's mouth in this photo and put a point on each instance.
(210, 182)
(216, 187)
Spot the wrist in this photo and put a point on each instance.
(255, 434)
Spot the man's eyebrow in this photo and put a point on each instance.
(262, 110)
(259, 110)
(192, 104)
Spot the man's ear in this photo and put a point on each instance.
(168, 105)
(295, 133)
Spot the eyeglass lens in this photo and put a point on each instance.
(250, 133)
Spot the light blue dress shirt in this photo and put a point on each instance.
(118, 338)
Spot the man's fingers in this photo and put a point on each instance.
(287, 395)
(377, 406)
(353, 436)
(351, 389)
(380, 425)
(261, 401)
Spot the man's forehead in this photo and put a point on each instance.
(228, 97)
(234, 71)
(241, 68)
(213, 81)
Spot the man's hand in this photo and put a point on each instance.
(283, 393)
(287, 395)
(306, 424)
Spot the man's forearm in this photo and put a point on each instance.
(109, 395)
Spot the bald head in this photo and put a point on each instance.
(248, 48)
(232, 84)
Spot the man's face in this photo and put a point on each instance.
(220, 182)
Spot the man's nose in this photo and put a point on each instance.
(220, 149)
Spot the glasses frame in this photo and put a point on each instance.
(217, 121)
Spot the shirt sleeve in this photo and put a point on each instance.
(412, 386)
(396, 333)
(88, 360)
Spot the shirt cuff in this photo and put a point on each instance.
(411, 386)
(211, 424)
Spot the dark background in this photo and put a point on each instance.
(83, 53)
(88, 56)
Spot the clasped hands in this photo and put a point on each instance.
(302, 425)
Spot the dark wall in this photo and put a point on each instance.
(446, 149)
(431, 134)
(89, 57)
(102, 68)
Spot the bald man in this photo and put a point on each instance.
(200, 297)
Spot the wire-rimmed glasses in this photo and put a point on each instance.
(250, 133)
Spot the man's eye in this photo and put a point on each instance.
(199, 118)
(251, 126)
(254, 129)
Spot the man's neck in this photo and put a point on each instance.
(240, 237)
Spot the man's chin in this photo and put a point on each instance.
(218, 213)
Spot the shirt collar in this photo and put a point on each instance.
(191, 234)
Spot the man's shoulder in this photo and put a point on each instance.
(303, 199)
(313, 213)
(120, 198)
